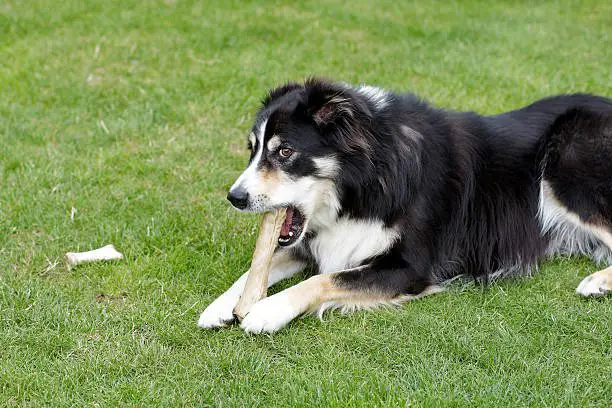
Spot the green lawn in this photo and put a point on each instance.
(134, 113)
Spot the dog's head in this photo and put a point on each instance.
(300, 143)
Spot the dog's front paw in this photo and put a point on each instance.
(269, 315)
(219, 313)
(597, 284)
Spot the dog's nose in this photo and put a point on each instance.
(238, 197)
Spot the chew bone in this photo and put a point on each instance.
(107, 252)
(256, 285)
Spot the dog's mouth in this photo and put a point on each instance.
(292, 227)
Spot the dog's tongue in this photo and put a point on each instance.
(287, 224)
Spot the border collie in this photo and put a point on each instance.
(388, 197)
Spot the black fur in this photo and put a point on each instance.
(579, 163)
(462, 188)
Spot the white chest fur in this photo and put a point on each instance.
(347, 243)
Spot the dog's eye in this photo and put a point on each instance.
(285, 152)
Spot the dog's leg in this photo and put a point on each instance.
(598, 283)
(363, 287)
(220, 312)
(576, 182)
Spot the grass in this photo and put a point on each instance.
(132, 116)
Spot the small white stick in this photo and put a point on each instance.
(105, 253)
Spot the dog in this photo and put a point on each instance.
(388, 197)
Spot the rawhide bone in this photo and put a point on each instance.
(106, 253)
(256, 285)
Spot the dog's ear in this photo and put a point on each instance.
(340, 114)
(327, 102)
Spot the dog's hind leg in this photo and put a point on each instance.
(363, 287)
(576, 199)
(570, 234)
(220, 312)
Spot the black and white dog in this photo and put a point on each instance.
(389, 197)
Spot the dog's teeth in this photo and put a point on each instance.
(290, 233)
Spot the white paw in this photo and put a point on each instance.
(596, 284)
(219, 313)
(270, 314)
